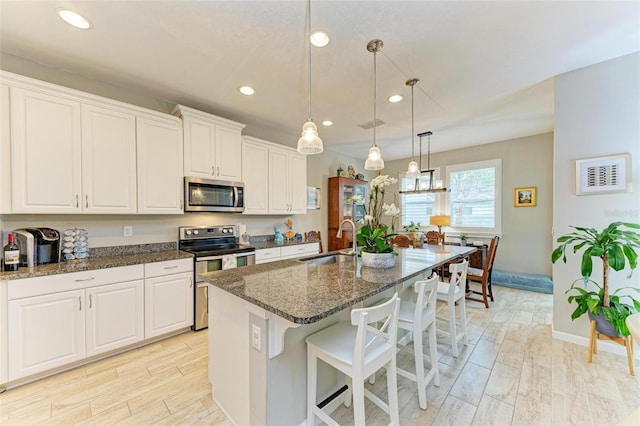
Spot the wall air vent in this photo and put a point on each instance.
(603, 174)
(369, 124)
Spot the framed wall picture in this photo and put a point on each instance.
(313, 198)
(603, 174)
(524, 197)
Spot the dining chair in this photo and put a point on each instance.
(483, 276)
(453, 293)
(314, 236)
(434, 237)
(415, 318)
(401, 241)
(357, 349)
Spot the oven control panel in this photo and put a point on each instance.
(198, 232)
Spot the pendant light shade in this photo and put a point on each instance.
(413, 171)
(374, 159)
(309, 142)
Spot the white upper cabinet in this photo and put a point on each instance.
(275, 178)
(108, 160)
(73, 152)
(45, 153)
(212, 145)
(160, 174)
(287, 181)
(255, 164)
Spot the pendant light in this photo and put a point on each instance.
(309, 142)
(432, 188)
(374, 159)
(413, 172)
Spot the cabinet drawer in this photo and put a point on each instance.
(267, 254)
(299, 250)
(158, 269)
(37, 286)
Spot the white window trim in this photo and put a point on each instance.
(497, 163)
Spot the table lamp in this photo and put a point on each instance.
(440, 221)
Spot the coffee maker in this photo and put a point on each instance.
(38, 246)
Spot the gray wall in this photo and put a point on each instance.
(597, 113)
(526, 231)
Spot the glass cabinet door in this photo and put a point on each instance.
(347, 207)
(358, 208)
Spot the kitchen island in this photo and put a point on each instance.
(260, 315)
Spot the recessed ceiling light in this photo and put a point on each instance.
(319, 39)
(395, 98)
(75, 19)
(246, 90)
(327, 123)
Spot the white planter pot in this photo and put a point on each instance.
(378, 260)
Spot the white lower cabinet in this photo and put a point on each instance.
(115, 316)
(168, 296)
(286, 252)
(60, 319)
(45, 332)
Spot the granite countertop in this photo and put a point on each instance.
(122, 259)
(304, 293)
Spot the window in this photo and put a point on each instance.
(475, 198)
(417, 207)
(474, 202)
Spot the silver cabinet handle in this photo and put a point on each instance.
(85, 279)
(77, 205)
(80, 302)
(86, 201)
(218, 168)
(213, 170)
(190, 282)
(90, 300)
(171, 267)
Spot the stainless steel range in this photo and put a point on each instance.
(215, 248)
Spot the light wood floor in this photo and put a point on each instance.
(512, 372)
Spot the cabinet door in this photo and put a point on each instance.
(45, 153)
(108, 161)
(168, 303)
(255, 171)
(199, 139)
(298, 183)
(115, 316)
(46, 332)
(160, 177)
(228, 154)
(279, 199)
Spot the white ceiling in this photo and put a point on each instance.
(486, 68)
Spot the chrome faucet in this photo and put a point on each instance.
(339, 235)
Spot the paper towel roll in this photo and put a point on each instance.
(242, 229)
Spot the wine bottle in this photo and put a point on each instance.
(11, 254)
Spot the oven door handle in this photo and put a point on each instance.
(203, 259)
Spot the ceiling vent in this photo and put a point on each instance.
(369, 124)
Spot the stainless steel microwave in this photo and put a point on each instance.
(204, 195)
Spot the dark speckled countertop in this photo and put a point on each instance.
(304, 293)
(258, 245)
(106, 258)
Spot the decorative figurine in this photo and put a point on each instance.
(278, 237)
(340, 172)
(360, 176)
(352, 172)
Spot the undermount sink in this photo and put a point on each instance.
(328, 259)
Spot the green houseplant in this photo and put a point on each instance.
(614, 246)
(463, 238)
(373, 235)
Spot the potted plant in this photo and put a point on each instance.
(412, 228)
(463, 238)
(373, 235)
(614, 246)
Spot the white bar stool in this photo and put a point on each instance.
(416, 318)
(358, 350)
(453, 293)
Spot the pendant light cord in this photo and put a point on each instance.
(412, 128)
(375, 95)
(309, 53)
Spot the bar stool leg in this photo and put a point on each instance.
(433, 353)
(312, 378)
(629, 344)
(419, 360)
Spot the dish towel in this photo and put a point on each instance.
(229, 261)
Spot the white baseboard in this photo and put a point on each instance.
(603, 345)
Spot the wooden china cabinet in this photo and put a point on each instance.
(341, 206)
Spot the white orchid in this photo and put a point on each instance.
(373, 235)
(390, 209)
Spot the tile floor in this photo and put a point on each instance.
(511, 372)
